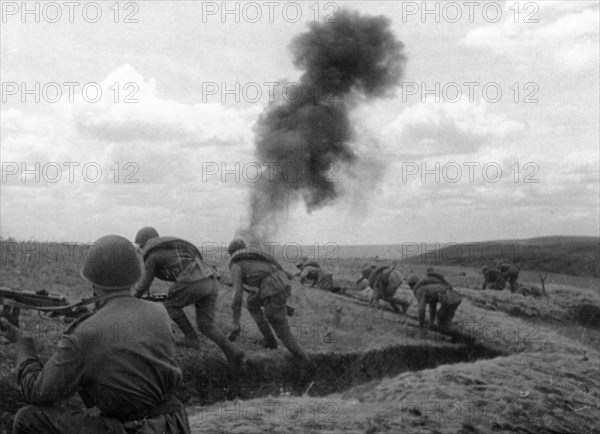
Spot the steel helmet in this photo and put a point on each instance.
(235, 245)
(144, 234)
(112, 262)
(412, 280)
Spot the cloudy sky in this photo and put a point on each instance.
(494, 133)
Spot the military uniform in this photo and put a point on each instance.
(268, 288)
(194, 282)
(385, 281)
(430, 291)
(510, 274)
(493, 279)
(120, 359)
(319, 276)
(431, 294)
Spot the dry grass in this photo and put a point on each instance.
(547, 379)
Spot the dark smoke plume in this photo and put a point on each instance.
(305, 139)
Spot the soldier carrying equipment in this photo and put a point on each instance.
(312, 271)
(194, 282)
(121, 360)
(492, 279)
(385, 281)
(510, 273)
(431, 291)
(268, 289)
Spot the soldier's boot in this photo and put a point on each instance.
(264, 328)
(190, 337)
(234, 355)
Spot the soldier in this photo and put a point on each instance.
(268, 286)
(194, 282)
(385, 281)
(312, 271)
(492, 278)
(121, 360)
(429, 293)
(431, 273)
(510, 273)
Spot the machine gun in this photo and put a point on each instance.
(44, 302)
(13, 301)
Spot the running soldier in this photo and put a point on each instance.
(194, 282)
(268, 288)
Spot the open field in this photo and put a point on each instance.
(534, 366)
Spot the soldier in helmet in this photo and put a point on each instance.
(268, 286)
(194, 282)
(121, 359)
(312, 271)
(385, 281)
(509, 272)
(430, 292)
(492, 279)
(431, 273)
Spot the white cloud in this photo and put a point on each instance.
(445, 128)
(571, 38)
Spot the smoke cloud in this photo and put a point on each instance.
(305, 140)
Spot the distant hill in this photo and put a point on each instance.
(576, 256)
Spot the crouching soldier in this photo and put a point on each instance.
(194, 282)
(312, 271)
(121, 360)
(385, 281)
(492, 279)
(268, 286)
(429, 292)
(510, 273)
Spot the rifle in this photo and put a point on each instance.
(155, 297)
(44, 302)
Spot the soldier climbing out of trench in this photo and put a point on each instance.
(128, 382)
(431, 291)
(268, 289)
(194, 282)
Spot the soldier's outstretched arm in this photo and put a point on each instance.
(238, 294)
(144, 285)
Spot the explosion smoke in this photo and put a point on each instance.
(302, 139)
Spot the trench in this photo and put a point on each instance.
(208, 380)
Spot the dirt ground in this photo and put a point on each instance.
(534, 366)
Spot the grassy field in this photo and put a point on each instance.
(534, 367)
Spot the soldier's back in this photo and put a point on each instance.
(128, 356)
